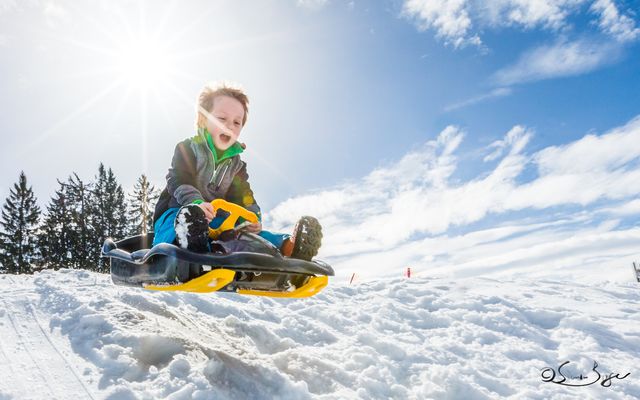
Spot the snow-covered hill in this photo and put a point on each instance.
(73, 335)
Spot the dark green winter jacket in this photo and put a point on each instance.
(197, 174)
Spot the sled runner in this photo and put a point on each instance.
(246, 264)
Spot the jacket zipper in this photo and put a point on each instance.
(226, 167)
(215, 168)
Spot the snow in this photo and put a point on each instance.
(72, 334)
(182, 227)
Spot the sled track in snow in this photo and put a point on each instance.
(7, 367)
(54, 347)
(16, 350)
(24, 338)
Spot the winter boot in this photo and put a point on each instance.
(306, 239)
(192, 229)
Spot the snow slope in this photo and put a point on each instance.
(73, 335)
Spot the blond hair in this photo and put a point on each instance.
(212, 90)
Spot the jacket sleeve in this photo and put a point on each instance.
(240, 192)
(181, 179)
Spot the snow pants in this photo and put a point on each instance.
(164, 231)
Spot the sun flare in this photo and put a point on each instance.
(143, 62)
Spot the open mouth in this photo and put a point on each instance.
(224, 138)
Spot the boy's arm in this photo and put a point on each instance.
(240, 192)
(181, 179)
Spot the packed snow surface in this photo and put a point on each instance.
(74, 335)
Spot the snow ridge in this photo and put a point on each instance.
(71, 334)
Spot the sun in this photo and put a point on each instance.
(143, 62)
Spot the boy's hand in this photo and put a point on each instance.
(254, 228)
(208, 210)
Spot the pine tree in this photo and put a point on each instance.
(81, 242)
(109, 211)
(141, 205)
(20, 215)
(56, 232)
(3, 269)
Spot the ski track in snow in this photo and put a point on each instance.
(73, 335)
(26, 340)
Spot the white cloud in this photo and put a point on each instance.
(622, 27)
(551, 14)
(312, 4)
(561, 59)
(598, 254)
(495, 93)
(459, 22)
(7, 5)
(450, 19)
(582, 172)
(626, 209)
(593, 153)
(53, 10)
(402, 214)
(515, 135)
(55, 14)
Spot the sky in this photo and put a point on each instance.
(421, 133)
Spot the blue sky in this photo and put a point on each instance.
(340, 91)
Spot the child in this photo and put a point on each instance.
(207, 167)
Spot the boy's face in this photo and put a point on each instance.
(229, 114)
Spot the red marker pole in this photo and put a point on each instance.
(408, 272)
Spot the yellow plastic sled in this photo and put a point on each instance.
(263, 271)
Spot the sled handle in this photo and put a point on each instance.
(230, 222)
